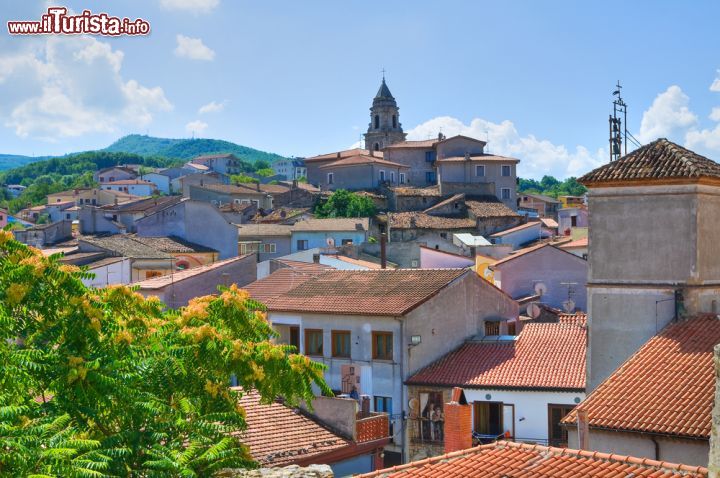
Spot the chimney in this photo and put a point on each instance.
(383, 251)
(583, 429)
(316, 258)
(294, 184)
(467, 156)
(338, 154)
(365, 405)
(458, 422)
(257, 186)
(372, 153)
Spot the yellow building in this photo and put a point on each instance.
(482, 267)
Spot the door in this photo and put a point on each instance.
(295, 337)
(488, 419)
(557, 435)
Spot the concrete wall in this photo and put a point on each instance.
(521, 237)
(364, 176)
(565, 218)
(320, 238)
(161, 182)
(550, 266)
(194, 221)
(464, 172)
(114, 273)
(339, 413)
(39, 236)
(178, 294)
(434, 259)
(687, 452)
(414, 158)
(314, 173)
(218, 198)
(646, 242)
(457, 146)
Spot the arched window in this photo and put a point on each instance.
(394, 121)
(377, 121)
(376, 147)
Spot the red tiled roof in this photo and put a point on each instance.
(362, 159)
(277, 283)
(123, 182)
(666, 387)
(659, 160)
(278, 435)
(529, 250)
(342, 154)
(304, 266)
(517, 460)
(516, 229)
(429, 143)
(178, 276)
(367, 292)
(489, 208)
(421, 220)
(582, 242)
(547, 356)
(479, 158)
(549, 222)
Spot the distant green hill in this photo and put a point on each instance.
(10, 161)
(186, 148)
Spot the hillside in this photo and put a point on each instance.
(186, 148)
(10, 161)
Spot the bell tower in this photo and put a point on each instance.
(384, 128)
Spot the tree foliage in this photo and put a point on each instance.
(343, 203)
(243, 179)
(99, 383)
(265, 172)
(550, 186)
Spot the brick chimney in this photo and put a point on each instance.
(458, 422)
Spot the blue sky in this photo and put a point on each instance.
(297, 78)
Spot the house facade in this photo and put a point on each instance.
(360, 324)
(570, 218)
(136, 187)
(114, 173)
(482, 174)
(519, 235)
(160, 180)
(220, 163)
(361, 172)
(544, 205)
(328, 233)
(268, 241)
(290, 168)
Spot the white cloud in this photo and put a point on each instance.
(715, 114)
(715, 86)
(212, 107)
(193, 48)
(71, 86)
(194, 6)
(196, 127)
(537, 157)
(669, 116)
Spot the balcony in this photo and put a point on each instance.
(371, 426)
(426, 431)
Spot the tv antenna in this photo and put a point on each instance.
(618, 125)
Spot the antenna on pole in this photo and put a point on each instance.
(618, 125)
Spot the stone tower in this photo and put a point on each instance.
(385, 128)
(654, 228)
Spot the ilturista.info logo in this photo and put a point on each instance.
(57, 21)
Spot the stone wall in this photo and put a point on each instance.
(292, 471)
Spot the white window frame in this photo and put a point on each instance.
(330, 178)
(502, 193)
(478, 169)
(502, 170)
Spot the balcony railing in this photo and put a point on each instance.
(425, 430)
(372, 426)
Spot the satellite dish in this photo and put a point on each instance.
(330, 242)
(534, 310)
(540, 288)
(569, 305)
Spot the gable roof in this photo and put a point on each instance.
(532, 249)
(512, 230)
(278, 435)
(303, 266)
(421, 220)
(279, 282)
(171, 244)
(667, 387)
(545, 356)
(128, 182)
(125, 246)
(179, 276)
(509, 459)
(259, 230)
(365, 292)
(145, 205)
(360, 160)
(659, 160)
(333, 224)
(485, 206)
(342, 154)
(583, 242)
(541, 197)
(425, 144)
(478, 158)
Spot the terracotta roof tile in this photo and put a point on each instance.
(333, 224)
(420, 220)
(518, 460)
(178, 276)
(582, 242)
(548, 356)
(479, 158)
(341, 154)
(489, 207)
(304, 266)
(362, 159)
(661, 159)
(431, 191)
(667, 386)
(278, 435)
(429, 143)
(367, 292)
(516, 229)
(277, 283)
(528, 250)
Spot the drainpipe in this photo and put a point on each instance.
(383, 252)
(657, 448)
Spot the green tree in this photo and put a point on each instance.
(343, 203)
(265, 172)
(262, 164)
(108, 383)
(243, 179)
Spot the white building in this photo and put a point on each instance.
(136, 187)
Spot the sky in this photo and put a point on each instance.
(297, 78)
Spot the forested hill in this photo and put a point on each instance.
(186, 148)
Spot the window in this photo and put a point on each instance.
(430, 156)
(505, 193)
(392, 176)
(302, 244)
(313, 342)
(345, 242)
(573, 221)
(394, 121)
(267, 248)
(505, 170)
(492, 328)
(431, 417)
(512, 329)
(479, 170)
(376, 147)
(382, 175)
(331, 178)
(557, 435)
(249, 247)
(67, 216)
(382, 404)
(430, 177)
(341, 343)
(443, 235)
(402, 178)
(493, 419)
(377, 121)
(382, 345)
(295, 337)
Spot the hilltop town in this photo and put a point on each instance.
(464, 327)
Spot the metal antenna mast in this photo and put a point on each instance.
(618, 125)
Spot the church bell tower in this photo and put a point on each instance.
(385, 128)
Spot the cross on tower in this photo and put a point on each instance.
(383, 73)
